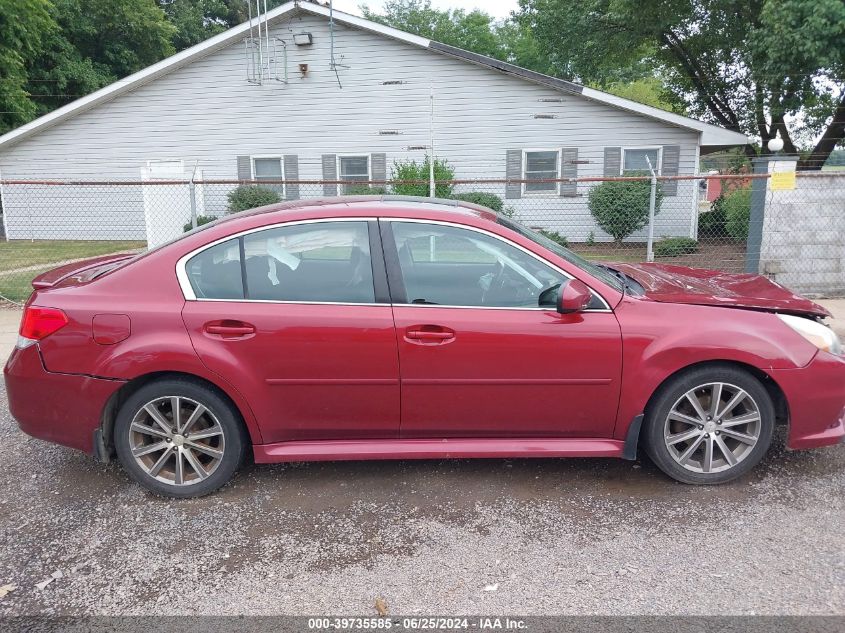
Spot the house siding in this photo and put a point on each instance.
(207, 114)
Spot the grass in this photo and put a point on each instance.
(18, 286)
(621, 255)
(24, 253)
(39, 256)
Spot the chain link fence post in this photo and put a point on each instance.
(652, 202)
(192, 190)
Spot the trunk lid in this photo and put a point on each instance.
(679, 284)
(80, 272)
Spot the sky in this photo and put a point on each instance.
(496, 8)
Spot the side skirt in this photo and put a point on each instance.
(447, 448)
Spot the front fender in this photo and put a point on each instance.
(661, 339)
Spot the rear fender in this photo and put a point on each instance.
(158, 343)
(146, 357)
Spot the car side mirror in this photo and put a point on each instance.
(573, 296)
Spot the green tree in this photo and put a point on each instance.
(474, 31)
(759, 67)
(97, 42)
(648, 90)
(23, 26)
(197, 20)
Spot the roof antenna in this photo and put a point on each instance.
(332, 63)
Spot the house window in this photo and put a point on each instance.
(269, 168)
(636, 160)
(541, 165)
(353, 169)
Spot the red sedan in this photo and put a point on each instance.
(390, 328)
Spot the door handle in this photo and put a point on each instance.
(429, 334)
(229, 328)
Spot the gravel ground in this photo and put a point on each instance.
(444, 537)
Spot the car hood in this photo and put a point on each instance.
(679, 284)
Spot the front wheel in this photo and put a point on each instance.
(179, 438)
(709, 425)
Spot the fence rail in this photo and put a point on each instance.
(455, 181)
(699, 220)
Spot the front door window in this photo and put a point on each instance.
(447, 265)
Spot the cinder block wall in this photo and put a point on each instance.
(803, 245)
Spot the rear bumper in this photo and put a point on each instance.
(816, 398)
(61, 408)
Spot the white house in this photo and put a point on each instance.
(305, 95)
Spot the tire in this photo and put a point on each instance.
(678, 435)
(170, 463)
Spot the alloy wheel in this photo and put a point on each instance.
(176, 440)
(712, 427)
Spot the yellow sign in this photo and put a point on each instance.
(782, 181)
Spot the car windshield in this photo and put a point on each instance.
(538, 238)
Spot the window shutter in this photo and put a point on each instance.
(612, 161)
(513, 171)
(669, 167)
(291, 173)
(378, 167)
(244, 168)
(329, 173)
(569, 169)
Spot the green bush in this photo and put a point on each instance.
(251, 196)
(554, 236)
(712, 223)
(675, 246)
(737, 206)
(201, 219)
(489, 200)
(363, 190)
(620, 207)
(412, 170)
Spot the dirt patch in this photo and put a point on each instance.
(724, 255)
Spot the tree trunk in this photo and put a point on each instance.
(834, 134)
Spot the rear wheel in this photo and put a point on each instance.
(709, 425)
(179, 438)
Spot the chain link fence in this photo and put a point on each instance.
(702, 221)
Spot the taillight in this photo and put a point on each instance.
(39, 323)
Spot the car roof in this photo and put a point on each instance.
(381, 205)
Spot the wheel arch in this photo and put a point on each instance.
(770, 384)
(105, 448)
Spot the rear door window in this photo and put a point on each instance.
(327, 262)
